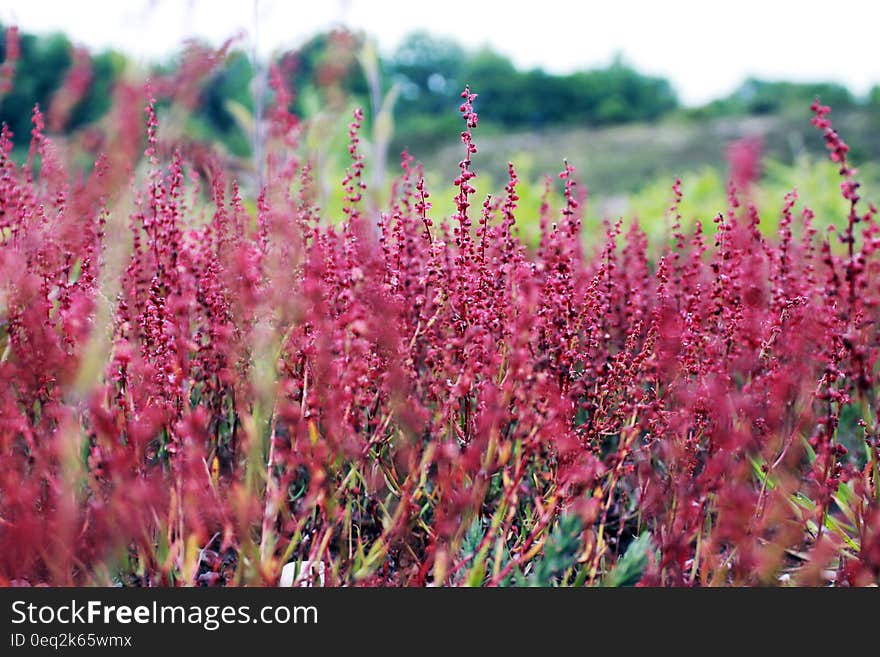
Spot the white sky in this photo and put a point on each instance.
(705, 48)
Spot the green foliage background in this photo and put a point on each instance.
(626, 133)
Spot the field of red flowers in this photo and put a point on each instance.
(197, 388)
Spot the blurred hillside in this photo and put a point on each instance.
(619, 159)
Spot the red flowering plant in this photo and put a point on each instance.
(202, 396)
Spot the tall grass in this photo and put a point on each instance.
(197, 397)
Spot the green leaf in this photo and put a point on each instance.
(630, 568)
(477, 573)
(560, 552)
